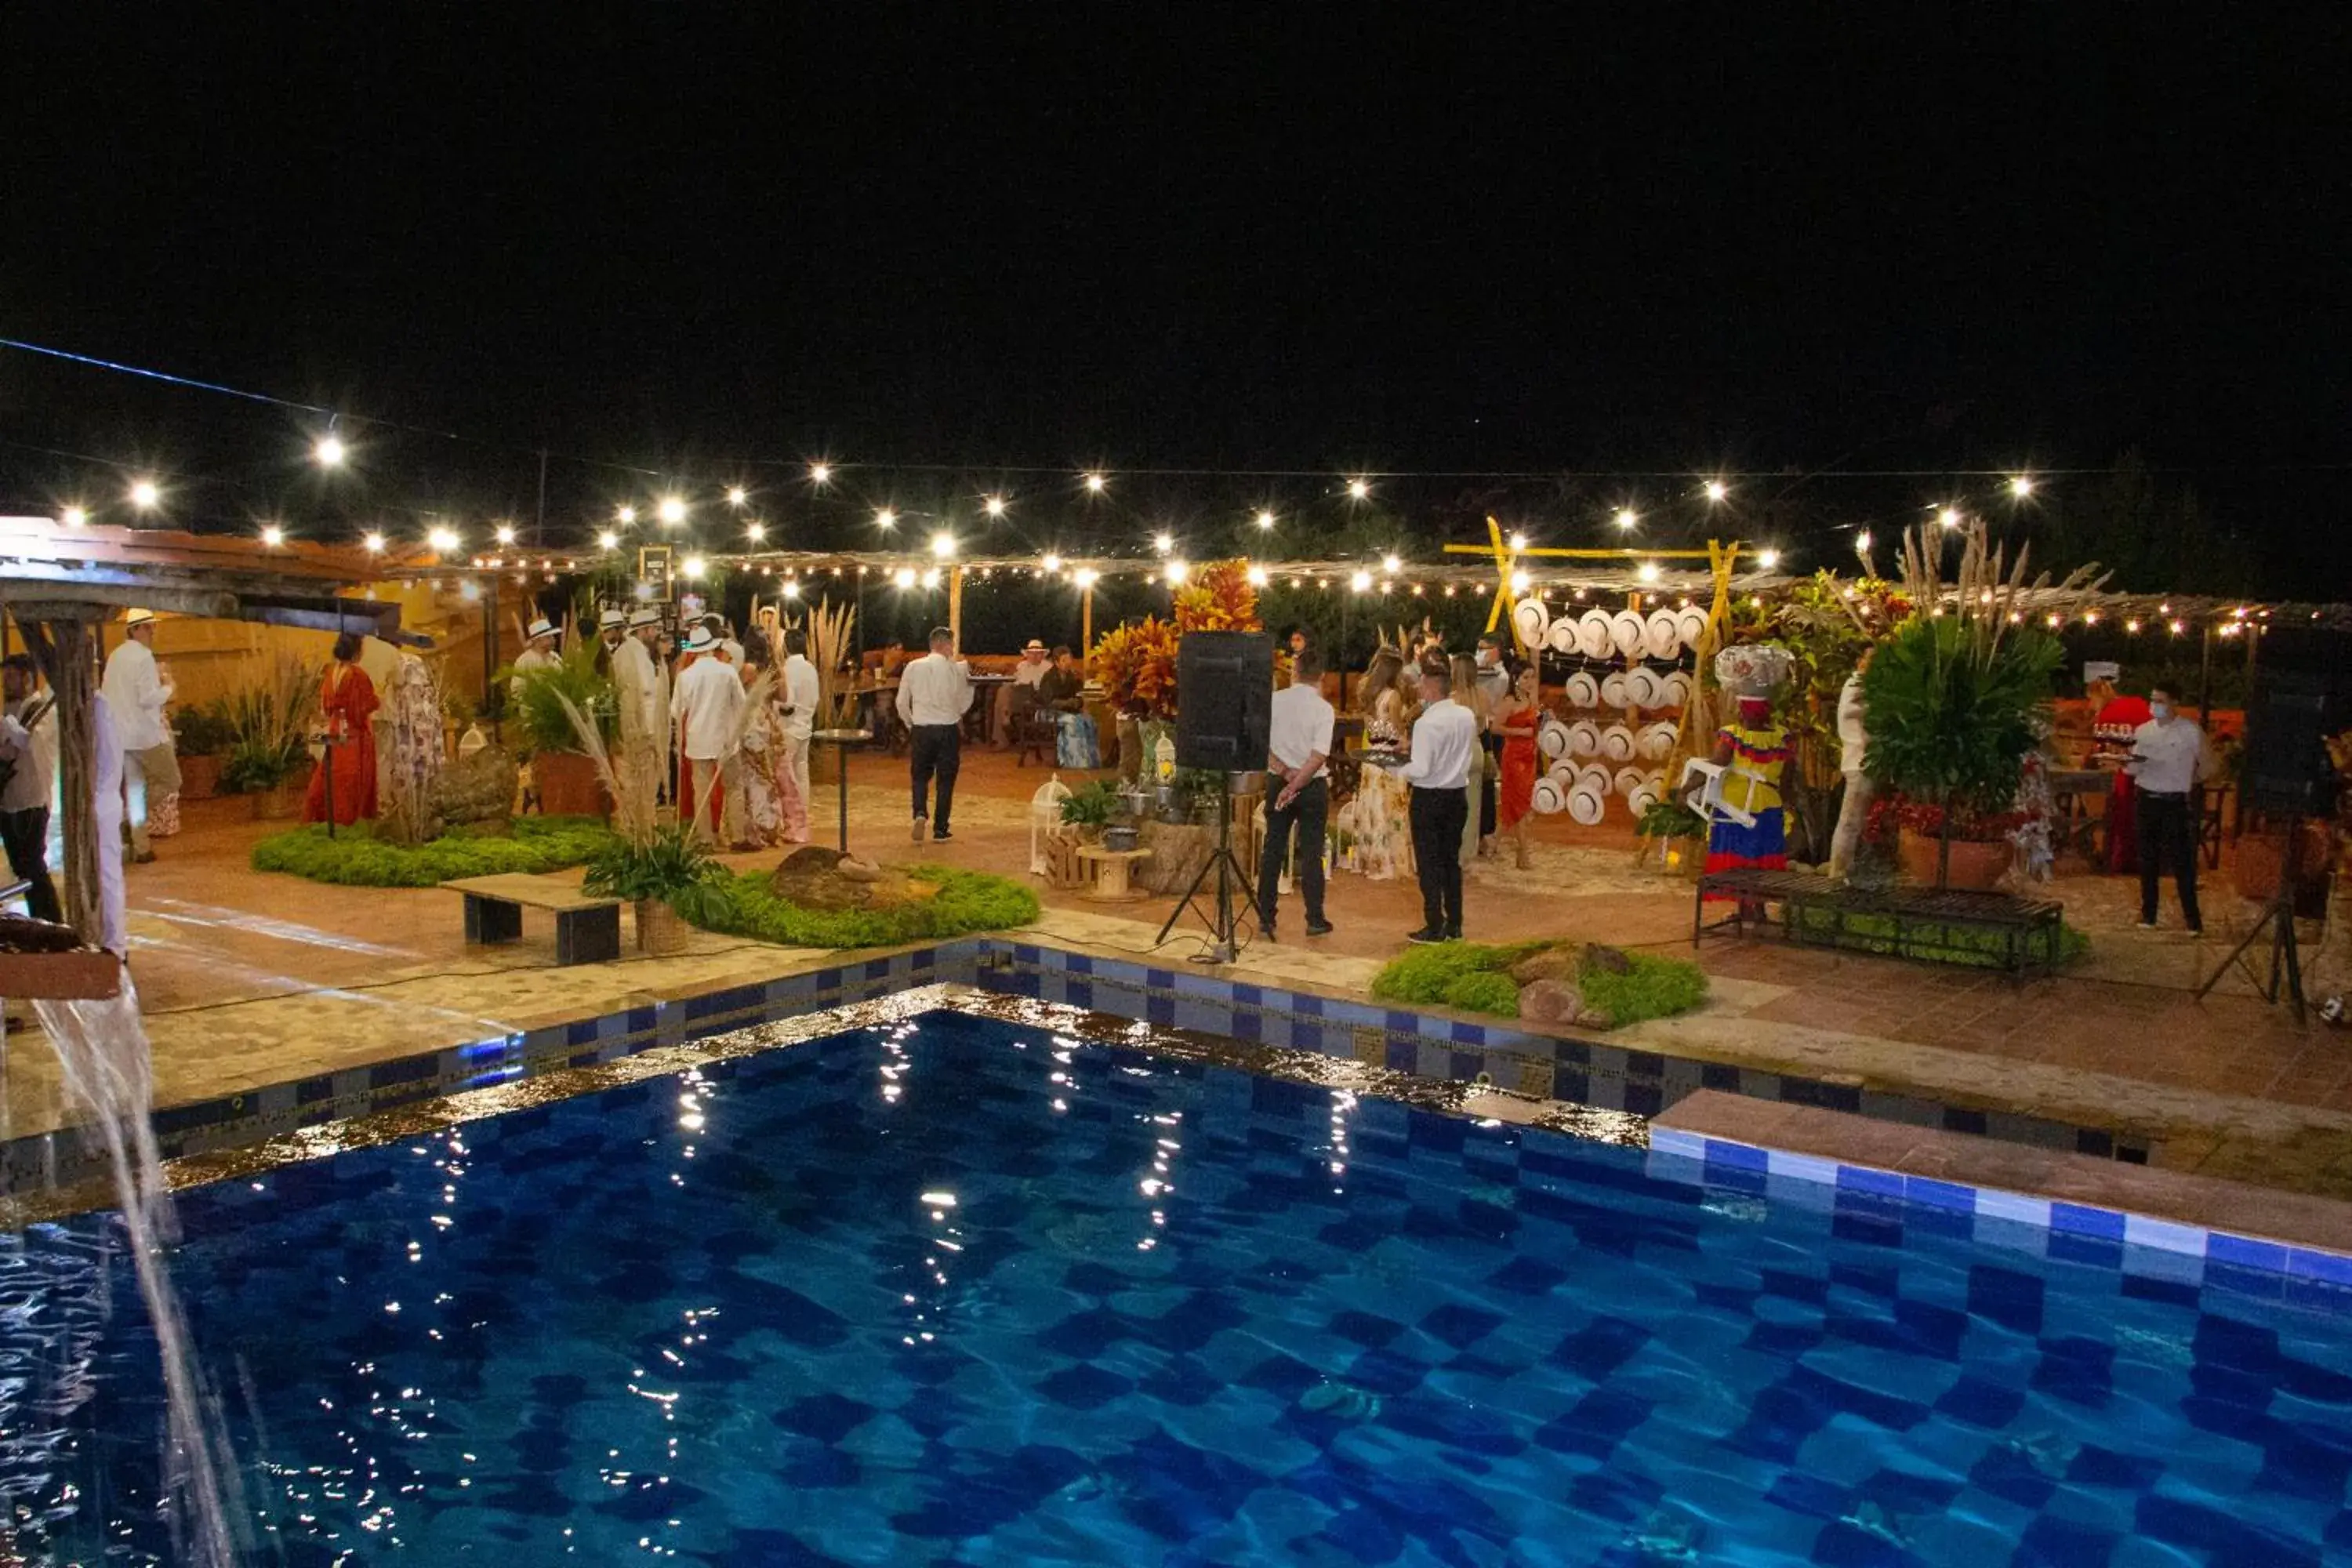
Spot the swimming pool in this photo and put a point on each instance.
(958, 1289)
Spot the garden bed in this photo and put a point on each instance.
(356, 858)
(1476, 978)
(966, 902)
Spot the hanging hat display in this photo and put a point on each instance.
(1584, 691)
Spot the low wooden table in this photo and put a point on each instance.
(587, 928)
(1111, 867)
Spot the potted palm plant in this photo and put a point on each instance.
(268, 719)
(548, 701)
(202, 736)
(665, 871)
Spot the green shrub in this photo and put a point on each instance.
(966, 902)
(1429, 974)
(356, 858)
(539, 713)
(673, 865)
(1485, 991)
(1653, 987)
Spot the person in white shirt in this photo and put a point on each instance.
(137, 691)
(1853, 750)
(644, 711)
(707, 705)
(2166, 765)
(803, 694)
(934, 694)
(106, 824)
(538, 654)
(1298, 793)
(1444, 749)
(29, 754)
(1016, 699)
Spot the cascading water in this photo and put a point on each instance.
(102, 1051)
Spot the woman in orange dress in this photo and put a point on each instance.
(1515, 794)
(348, 701)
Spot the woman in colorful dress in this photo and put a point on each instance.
(774, 811)
(1377, 832)
(1753, 752)
(1514, 796)
(347, 700)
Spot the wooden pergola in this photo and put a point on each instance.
(60, 584)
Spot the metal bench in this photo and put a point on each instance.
(587, 928)
(1903, 922)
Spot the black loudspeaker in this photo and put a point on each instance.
(1225, 691)
(2286, 766)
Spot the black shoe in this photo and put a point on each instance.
(1426, 935)
(1319, 928)
(941, 837)
(1265, 930)
(1454, 934)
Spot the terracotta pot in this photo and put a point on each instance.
(199, 777)
(278, 804)
(568, 784)
(660, 928)
(1978, 866)
(2261, 857)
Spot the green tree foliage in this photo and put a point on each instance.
(2152, 535)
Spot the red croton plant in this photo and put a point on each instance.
(1927, 820)
(1136, 664)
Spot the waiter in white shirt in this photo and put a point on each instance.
(1444, 749)
(934, 693)
(1298, 739)
(803, 695)
(136, 691)
(707, 705)
(2166, 765)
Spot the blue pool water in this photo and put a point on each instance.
(954, 1290)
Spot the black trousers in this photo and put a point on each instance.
(936, 752)
(1437, 819)
(1307, 814)
(26, 836)
(1493, 745)
(2167, 828)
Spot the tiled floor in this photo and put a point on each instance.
(251, 979)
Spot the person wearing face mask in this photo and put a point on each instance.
(1492, 679)
(2166, 765)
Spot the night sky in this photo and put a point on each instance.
(1889, 238)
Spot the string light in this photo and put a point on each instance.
(74, 517)
(1360, 582)
(1163, 542)
(1717, 489)
(1768, 559)
(2021, 486)
(1626, 517)
(607, 540)
(1256, 576)
(373, 543)
(443, 540)
(993, 506)
(2053, 621)
(1096, 483)
(145, 495)
(1862, 542)
(1390, 563)
(1053, 563)
(1949, 517)
(2132, 626)
(1518, 542)
(331, 451)
(694, 566)
(1265, 519)
(505, 533)
(1178, 572)
(904, 577)
(755, 530)
(886, 518)
(1085, 576)
(272, 535)
(672, 511)
(2174, 627)
(1359, 490)
(820, 473)
(792, 589)
(1520, 581)
(1648, 572)
(943, 546)
(625, 516)
(931, 578)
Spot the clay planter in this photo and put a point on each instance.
(568, 784)
(200, 777)
(660, 928)
(1977, 866)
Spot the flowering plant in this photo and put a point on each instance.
(1927, 819)
(1136, 666)
(1217, 598)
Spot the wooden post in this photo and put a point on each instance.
(63, 650)
(955, 605)
(1086, 622)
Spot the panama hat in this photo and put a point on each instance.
(610, 619)
(644, 617)
(541, 628)
(137, 619)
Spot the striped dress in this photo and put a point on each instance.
(1752, 785)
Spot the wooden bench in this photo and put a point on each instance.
(1904, 923)
(587, 928)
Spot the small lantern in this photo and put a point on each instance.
(1045, 820)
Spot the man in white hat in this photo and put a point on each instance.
(137, 689)
(539, 653)
(707, 706)
(641, 693)
(612, 630)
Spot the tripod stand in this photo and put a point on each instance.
(2278, 916)
(1221, 921)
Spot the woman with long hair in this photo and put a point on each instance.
(773, 811)
(1515, 720)
(1375, 831)
(347, 702)
(1462, 677)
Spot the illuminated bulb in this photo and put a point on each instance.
(737, 495)
(1390, 563)
(330, 451)
(2164, 608)
(625, 516)
(2174, 627)
(1163, 542)
(1360, 581)
(1648, 572)
(444, 540)
(607, 540)
(272, 535)
(1625, 518)
(1862, 541)
(672, 511)
(1768, 559)
(2132, 626)
(2090, 618)
(144, 495)
(993, 506)
(2052, 621)
(1178, 571)
(886, 517)
(931, 578)
(820, 473)
(1265, 519)
(1095, 483)
(372, 542)
(1520, 581)
(904, 576)
(1518, 542)
(74, 517)
(1256, 576)
(1087, 577)
(694, 566)
(2020, 486)
(505, 533)
(755, 530)
(792, 589)
(943, 546)
(1449, 590)
(1949, 517)
(1358, 489)
(1717, 489)
(1052, 563)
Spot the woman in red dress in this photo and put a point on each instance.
(347, 699)
(1515, 794)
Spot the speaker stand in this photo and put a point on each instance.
(2278, 918)
(1222, 926)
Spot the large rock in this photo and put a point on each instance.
(477, 790)
(1550, 963)
(816, 877)
(1611, 959)
(1548, 1002)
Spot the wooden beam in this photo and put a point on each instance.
(66, 649)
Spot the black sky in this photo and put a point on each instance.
(1280, 237)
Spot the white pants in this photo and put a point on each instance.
(1851, 816)
(796, 747)
(723, 777)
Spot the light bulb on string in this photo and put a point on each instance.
(903, 577)
(755, 530)
(505, 533)
(1648, 572)
(993, 506)
(1095, 483)
(1360, 582)
(272, 536)
(607, 540)
(820, 473)
(943, 546)
(1768, 559)
(330, 451)
(672, 511)
(2020, 486)
(443, 540)
(1626, 517)
(1264, 518)
(1085, 576)
(1518, 542)
(1178, 571)
(1256, 576)
(373, 543)
(886, 518)
(1360, 490)
(75, 517)
(931, 578)
(146, 495)
(1163, 542)
(1390, 563)
(694, 566)
(792, 588)
(737, 495)
(1052, 563)
(1717, 490)
(1520, 581)
(1949, 516)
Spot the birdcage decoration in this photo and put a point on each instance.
(1045, 822)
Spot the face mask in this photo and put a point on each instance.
(2162, 710)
